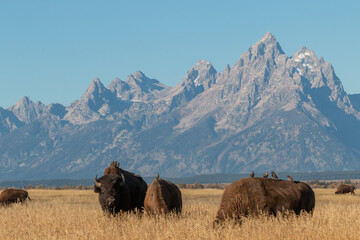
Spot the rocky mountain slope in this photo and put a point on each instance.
(267, 112)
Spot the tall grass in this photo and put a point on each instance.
(72, 214)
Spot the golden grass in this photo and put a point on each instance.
(74, 214)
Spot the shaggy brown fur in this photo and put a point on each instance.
(162, 197)
(345, 188)
(13, 196)
(115, 196)
(263, 195)
(112, 169)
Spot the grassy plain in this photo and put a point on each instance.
(76, 214)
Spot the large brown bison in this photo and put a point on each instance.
(9, 196)
(345, 188)
(122, 191)
(162, 197)
(251, 196)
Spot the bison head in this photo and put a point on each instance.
(113, 192)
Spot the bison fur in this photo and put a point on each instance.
(9, 196)
(162, 197)
(345, 188)
(253, 196)
(120, 190)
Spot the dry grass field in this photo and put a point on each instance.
(76, 214)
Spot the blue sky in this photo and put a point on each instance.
(52, 50)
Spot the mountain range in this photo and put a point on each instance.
(267, 112)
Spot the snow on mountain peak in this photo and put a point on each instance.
(200, 71)
(203, 64)
(304, 54)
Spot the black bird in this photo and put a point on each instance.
(252, 174)
(290, 178)
(266, 175)
(274, 175)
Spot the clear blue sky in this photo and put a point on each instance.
(51, 50)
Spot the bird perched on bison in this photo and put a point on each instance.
(120, 190)
(252, 174)
(266, 175)
(252, 196)
(290, 178)
(345, 188)
(273, 174)
(9, 196)
(162, 197)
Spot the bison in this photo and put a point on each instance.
(264, 195)
(345, 188)
(162, 197)
(9, 196)
(122, 191)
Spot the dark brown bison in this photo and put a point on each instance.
(162, 197)
(251, 196)
(123, 191)
(345, 188)
(9, 196)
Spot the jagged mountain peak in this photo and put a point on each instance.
(8, 122)
(96, 83)
(202, 63)
(304, 54)
(26, 110)
(268, 37)
(202, 73)
(22, 102)
(226, 70)
(96, 80)
(25, 101)
(266, 50)
(138, 80)
(203, 67)
(137, 87)
(96, 103)
(198, 79)
(96, 87)
(94, 97)
(118, 87)
(268, 111)
(138, 74)
(267, 44)
(114, 82)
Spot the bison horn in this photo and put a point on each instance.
(96, 181)
(123, 180)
